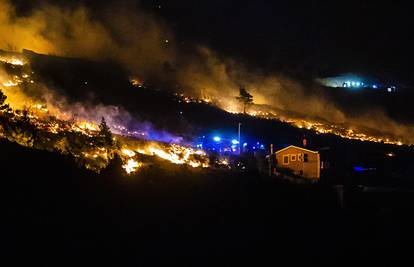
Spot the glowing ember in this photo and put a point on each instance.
(131, 166)
(85, 125)
(135, 82)
(13, 60)
(128, 152)
(10, 83)
(224, 162)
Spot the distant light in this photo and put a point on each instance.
(389, 89)
(234, 142)
(360, 169)
(245, 144)
(353, 83)
(217, 138)
(348, 83)
(233, 146)
(358, 84)
(375, 86)
(261, 146)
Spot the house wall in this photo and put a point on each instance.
(310, 169)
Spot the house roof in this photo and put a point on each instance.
(301, 148)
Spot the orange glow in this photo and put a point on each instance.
(13, 60)
(131, 166)
(176, 154)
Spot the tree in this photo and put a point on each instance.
(245, 98)
(105, 133)
(3, 98)
(3, 107)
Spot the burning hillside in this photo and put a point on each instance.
(357, 131)
(145, 45)
(32, 123)
(38, 117)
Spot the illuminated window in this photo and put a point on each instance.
(286, 160)
(292, 157)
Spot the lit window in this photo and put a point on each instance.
(285, 159)
(292, 157)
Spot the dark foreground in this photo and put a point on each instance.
(55, 214)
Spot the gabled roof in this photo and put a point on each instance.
(301, 148)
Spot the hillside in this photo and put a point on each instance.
(59, 213)
(84, 91)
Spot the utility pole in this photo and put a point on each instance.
(239, 139)
(270, 159)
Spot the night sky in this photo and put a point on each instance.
(315, 37)
(356, 36)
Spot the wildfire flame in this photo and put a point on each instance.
(131, 166)
(176, 154)
(13, 60)
(317, 126)
(86, 126)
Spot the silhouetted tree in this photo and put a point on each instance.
(3, 107)
(245, 98)
(3, 98)
(105, 133)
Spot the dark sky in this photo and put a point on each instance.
(314, 36)
(358, 36)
